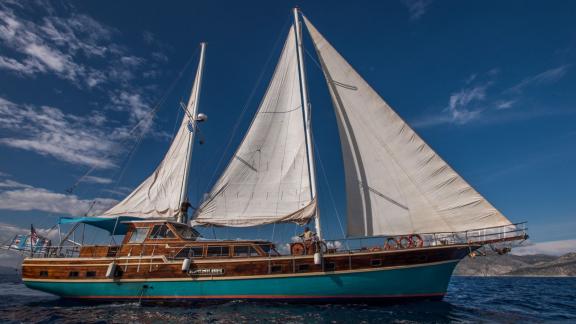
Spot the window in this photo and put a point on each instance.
(269, 249)
(43, 273)
(276, 268)
(161, 232)
(245, 251)
(73, 274)
(375, 262)
(217, 251)
(138, 235)
(186, 232)
(90, 274)
(329, 266)
(303, 267)
(190, 252)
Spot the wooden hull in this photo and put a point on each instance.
(408, 274)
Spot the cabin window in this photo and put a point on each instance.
(245, 251)
(73, 274)
(303, 267)
(43, 273)
(375, 262)
(190, 252)
(277, 268)
(90, 274)
(186, 232)
(217, 251)
(269, 249)
(161, 232)
(329, 266)
(138, 235)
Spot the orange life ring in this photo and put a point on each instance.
(392, 246)
(403, 239)
(297, 249)
(416, 241)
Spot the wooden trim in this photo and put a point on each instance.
(301, 274)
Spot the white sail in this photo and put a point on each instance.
(396, 184)
(267, 180)
(162, 193)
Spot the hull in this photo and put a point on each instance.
(422, 281)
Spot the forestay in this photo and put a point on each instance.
(396, 184)
(160, 196)
(267, 180)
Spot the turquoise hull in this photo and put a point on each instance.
(423, 281)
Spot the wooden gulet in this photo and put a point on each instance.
(422, 214)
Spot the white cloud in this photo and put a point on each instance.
(506, 104)
(98, 180)
(417, 8)
(49, 131)
(7, 183)
(31, 198)
(460, 103)
(550, 248)
(546, 77)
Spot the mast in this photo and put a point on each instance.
(307, 120)
(193, 101)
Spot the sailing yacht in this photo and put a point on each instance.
(399, 192)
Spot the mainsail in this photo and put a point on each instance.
(268, 179)
(396, 184)
(163, 192)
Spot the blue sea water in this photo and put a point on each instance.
(469, 299)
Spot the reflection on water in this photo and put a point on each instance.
(468, 300)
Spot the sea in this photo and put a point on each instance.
(469, 300)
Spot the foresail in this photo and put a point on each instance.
(267, 180)
(160, 195)
(396, 184)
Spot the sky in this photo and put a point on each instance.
(94, 87)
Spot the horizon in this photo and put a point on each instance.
(495, 100)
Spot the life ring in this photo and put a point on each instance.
(391, 244)
(416, 241)
(404, 242)
(297, 249)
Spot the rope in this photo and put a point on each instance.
(333, 201)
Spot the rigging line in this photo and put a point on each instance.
(329, 190)
(146, 118)
(246, 105)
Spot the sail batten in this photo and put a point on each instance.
(267, 180)
(395, 183)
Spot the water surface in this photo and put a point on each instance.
(469, 299)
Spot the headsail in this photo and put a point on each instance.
(161, 195)
(267, 180)
(396, 184)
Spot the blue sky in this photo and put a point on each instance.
(489, 85)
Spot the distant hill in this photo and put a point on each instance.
(518, 265)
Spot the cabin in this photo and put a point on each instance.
(175, 241)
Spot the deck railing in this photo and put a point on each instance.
(491, 235)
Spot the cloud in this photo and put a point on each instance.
(505, 104)
(546, 77)
(32, 198)
(416, 8)
(461, 103)
(7, 183)
(550, 248)
(479, 101)
(66, 137)
(98, 180)
(45, 38)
